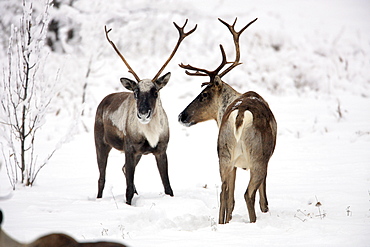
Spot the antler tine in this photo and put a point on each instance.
(182, 36)
(198, 70)
(236, 36)
(195, 73)
(223, 62)
(232, 27)
(120, 55)
(204, 72)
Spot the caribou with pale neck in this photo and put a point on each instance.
(135, 123)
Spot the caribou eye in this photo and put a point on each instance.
(155, 93)
(204, 96)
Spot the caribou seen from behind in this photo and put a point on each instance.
(247, 131)
(135, 123)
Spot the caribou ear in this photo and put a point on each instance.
(217, 82)
(128, 83)
(163, 80)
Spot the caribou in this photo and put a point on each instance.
(247, 130)
(54, 239)
(135, 123)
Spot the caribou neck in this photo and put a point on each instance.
(227, 96)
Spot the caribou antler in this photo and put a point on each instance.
(236, 36)
(182, 36)
(120, 55)
(212, 74)
(204, 72)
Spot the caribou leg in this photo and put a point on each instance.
(124, 171)
(162, 164)
(102, 156)
(263, 197)
(256, 179)
(130, 165)
(227, 201)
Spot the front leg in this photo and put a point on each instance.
(162, 164)
(124, 170)
(129, 170)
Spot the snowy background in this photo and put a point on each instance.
(309, 59)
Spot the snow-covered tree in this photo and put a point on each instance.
(26, 96)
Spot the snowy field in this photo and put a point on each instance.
(309, 59)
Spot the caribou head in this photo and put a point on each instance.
(215, 97)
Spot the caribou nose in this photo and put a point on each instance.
(185, 119)
(182, 117)
(144, 118)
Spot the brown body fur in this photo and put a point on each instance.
(117, 126)
(50, 240)
(254, 149)
(53, 240)
(257, 142)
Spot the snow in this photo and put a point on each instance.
(310, 61)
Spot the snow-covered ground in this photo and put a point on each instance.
(310, 60)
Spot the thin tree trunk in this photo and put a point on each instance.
(23, 136)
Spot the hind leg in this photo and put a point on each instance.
(227, 201)
(263, 197)
(256, 179)
(228, 173)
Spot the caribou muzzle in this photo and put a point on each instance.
(145, 118)
(184, 119)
